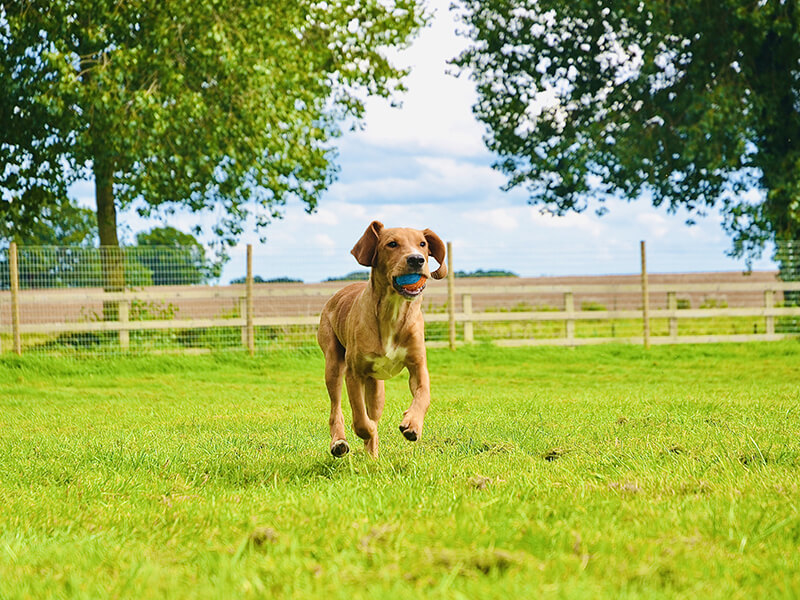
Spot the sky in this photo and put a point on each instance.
(425, 165)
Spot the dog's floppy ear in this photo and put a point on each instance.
(364, 250)
(437, 250)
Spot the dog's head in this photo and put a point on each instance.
(399, 252)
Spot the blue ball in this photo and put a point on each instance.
(409, 279)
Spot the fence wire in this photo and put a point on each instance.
(166, 299)
(62, 306)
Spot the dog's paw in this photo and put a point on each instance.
(339, 448)
(409, 431)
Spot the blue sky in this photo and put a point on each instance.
(425, 165)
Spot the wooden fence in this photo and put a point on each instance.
(569, 316)
(460, 312)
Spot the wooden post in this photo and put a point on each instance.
(769, 304)
(645, 299)
(672, 305)
(469, 332)
(14, 276)
(251, 338)
(569, 308)
(124, 334)
(451, 296)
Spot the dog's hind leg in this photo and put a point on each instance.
(375, 396)
(334, 375)
(363, 425)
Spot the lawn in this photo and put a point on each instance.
(542, 473)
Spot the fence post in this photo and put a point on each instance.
(469, 332)
(769, 304)
(451, 297)
(251, 339)
(13, 265)
(645, 299)
(672, 305)
(124, 333)
(569, 308)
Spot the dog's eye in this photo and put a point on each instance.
(392, 244)
(422, 244)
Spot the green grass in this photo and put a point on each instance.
(545, 472)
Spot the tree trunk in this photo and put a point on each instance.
(111, 259)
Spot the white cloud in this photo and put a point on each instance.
(381, 189)
(436, 115)
(414, 179)
(325, 243)
(501, 219)
(653, 224)
(585, 222)
(459, 174)
(323, 215)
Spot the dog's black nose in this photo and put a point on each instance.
(415, 261)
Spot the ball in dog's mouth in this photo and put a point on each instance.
(410, 285)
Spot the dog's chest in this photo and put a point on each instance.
(389, 364)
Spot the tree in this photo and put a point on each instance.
(489, 273)
(68, 232)
(259, 279)
(351, 276)
(64, 225)
(174, 257)
(690, 102)
(206, 104)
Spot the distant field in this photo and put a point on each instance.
(606, 471)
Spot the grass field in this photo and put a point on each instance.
(542, 473)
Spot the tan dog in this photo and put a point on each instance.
(370, 331)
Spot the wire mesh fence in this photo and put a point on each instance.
(165, 299)
(69, 299)
(787, 257)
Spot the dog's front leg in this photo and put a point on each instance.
(363, 425)
(420, 385)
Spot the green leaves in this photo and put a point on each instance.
(690, 103)
(228, 104)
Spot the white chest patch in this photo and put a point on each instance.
(386, 367)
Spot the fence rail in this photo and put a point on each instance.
(643, 309)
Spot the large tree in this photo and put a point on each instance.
(223, 105)
(690, 102)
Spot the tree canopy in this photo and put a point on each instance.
(228, 106)
(359, 275)
(65, 225)
(486, 273)
(692, 103)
